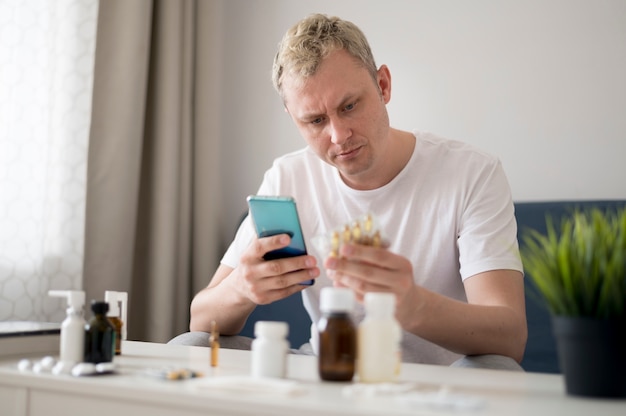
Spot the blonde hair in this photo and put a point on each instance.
(309, 41)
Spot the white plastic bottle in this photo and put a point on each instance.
(269, 349)
(72, 330)
(379, 336)
(117, 315)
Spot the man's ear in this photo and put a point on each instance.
(383, 79)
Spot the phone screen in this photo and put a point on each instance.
(274, 215)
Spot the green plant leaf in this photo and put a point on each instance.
(579, 268)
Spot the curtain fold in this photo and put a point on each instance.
(151, 229)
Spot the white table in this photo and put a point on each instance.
(132, 392)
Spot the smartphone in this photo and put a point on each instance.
(274, 215)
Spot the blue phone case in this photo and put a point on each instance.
(273, 215)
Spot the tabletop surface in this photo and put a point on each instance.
(228, 388)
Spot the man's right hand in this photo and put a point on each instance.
(266, 281)
(233, 294)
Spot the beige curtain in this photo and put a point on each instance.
(151, 226)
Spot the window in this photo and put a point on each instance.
(46, 76)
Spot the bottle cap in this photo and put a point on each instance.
(336, 299)
(272, 329)
(99, 307)
(380, 304)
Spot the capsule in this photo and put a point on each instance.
(346, 234)
(334, 244)
(356, 232)
(369, 224)
(376, 239)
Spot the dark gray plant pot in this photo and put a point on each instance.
(592, 355)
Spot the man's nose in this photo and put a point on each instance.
(340, 131)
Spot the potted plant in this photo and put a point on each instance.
(579, 268)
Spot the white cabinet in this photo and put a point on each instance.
(46, 403)
(13, 401)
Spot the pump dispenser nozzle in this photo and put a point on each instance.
(75, 298)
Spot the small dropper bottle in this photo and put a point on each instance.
(99, 335)
(337, 335)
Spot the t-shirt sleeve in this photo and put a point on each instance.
(487, 237)
(242, 239)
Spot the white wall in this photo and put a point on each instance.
(539, 83)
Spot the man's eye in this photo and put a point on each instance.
(348, 107)
(317, 120)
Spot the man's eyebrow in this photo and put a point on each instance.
(342, 103)
(348, 99)
(310, 116)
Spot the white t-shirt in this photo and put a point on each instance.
(449, 211)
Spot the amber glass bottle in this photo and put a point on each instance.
(117, 326)
(337, 335)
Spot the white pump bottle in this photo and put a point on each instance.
(72, 330)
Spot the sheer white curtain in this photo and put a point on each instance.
(46, 77)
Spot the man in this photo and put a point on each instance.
(452, 261)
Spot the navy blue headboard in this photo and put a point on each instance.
(540, 353)
(290, 310)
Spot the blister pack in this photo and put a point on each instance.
(363, 230)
